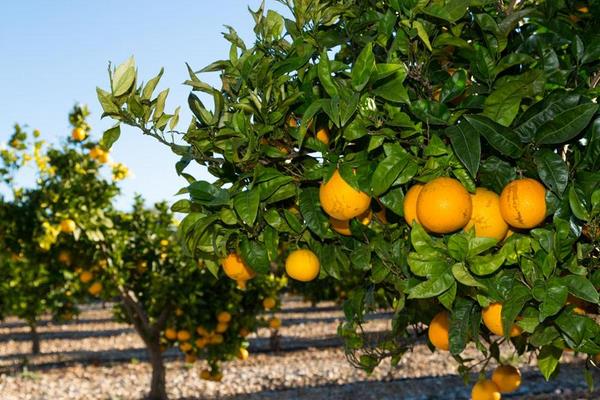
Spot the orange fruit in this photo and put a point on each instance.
(222, 327)
(190, 358)
(492, 319)
(485, 390)
(322, 135)
(343, 227)
(292, 122)
(95, 289)
(78, 134)
(224, 316)
(170, 333)
(269, 303)
(523, 203)
(438, 331)
(340, 200)
(486, 217)
(583, 9)
(201, 342)
(302, 265)
(183, 335)
(67, 225)
(243, 354)
(217, 338)
(507, 378)
(244, 332)
(64, 257)
(274, 323)
(444, 205)
(86, 276)
(202, 331)
(185, 347)
(235, 268)
(410, 204)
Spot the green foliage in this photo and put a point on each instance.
(409, 91)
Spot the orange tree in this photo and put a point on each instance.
(47, 228)
(173, 300)
(473, 123)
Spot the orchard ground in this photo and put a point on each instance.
(97, 358)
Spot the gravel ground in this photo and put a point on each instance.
(300, 372)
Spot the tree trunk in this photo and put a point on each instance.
(158, 390)
(35, 338)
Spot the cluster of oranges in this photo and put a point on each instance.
(85, 276)
(100, 155)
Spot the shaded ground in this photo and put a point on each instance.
(96, 358)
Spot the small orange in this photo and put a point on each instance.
(438, 331)
(340, 200)
(64, 257)
(86, 276)
(243, 354)
(185, 347)
(269, 303)
(224, 316)
(67, 225)
(201, 342)
(95, 289)
(244, 332)
(444, 205)
(222, 327)
(78, 134)
(485, 390)
(202, 331)
(410, 204)
(235, 268)
(492, 318)
(170, 333)
(183, 335)
(274, 323)
(217, 338)
(302, 265)
(486, 218)
(343, 227)
(507, 378)
(322, 135)
(523, 203)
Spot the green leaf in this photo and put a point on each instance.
(106, 102)
(387, 172)
(462, 275)
(448, 10)
(460, 324)
(577, 204)
(392, 88)
(246, 205)
(581, 287)
(123, 78)
(324, 70)
(393, 200)
(592, 150)
(422, 33)
(110, 136)
(566, 125)
(478, 245)
(310, 207)
(555, 297)
(206, 193)
(458, 246)
(548, 360)
(151, 85)
(363, 68)
(160, 105)
(499, 137)
(518, 296)
(432, 287)
(467, 146)
(502, 105)
(255, 255)
(427, 264)
(552, 170)
(485, 265)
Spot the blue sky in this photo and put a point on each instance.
(54, 54)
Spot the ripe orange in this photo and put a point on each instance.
(244, 332)
(86, 276)
(523, 203)
(485, 390)
(170, 333)
(243, 354)
(269, 303)
(202, 331)
(410, 204)
(222, 327)
(492, 318)
(444, 205)
(185, 347)
(224, 316)
(322, 135)
(302, 265)
(201, 342)
(78, 134)
(438, 331)
(292, 122)
(486, 217)
(164, 243)
(343, 227)
(217, 338)
(235, 268)
(95, 289)
(183, 335)
(340, 200)
(67, 225)
(507, 378)
(274, 323)
(64, 257)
